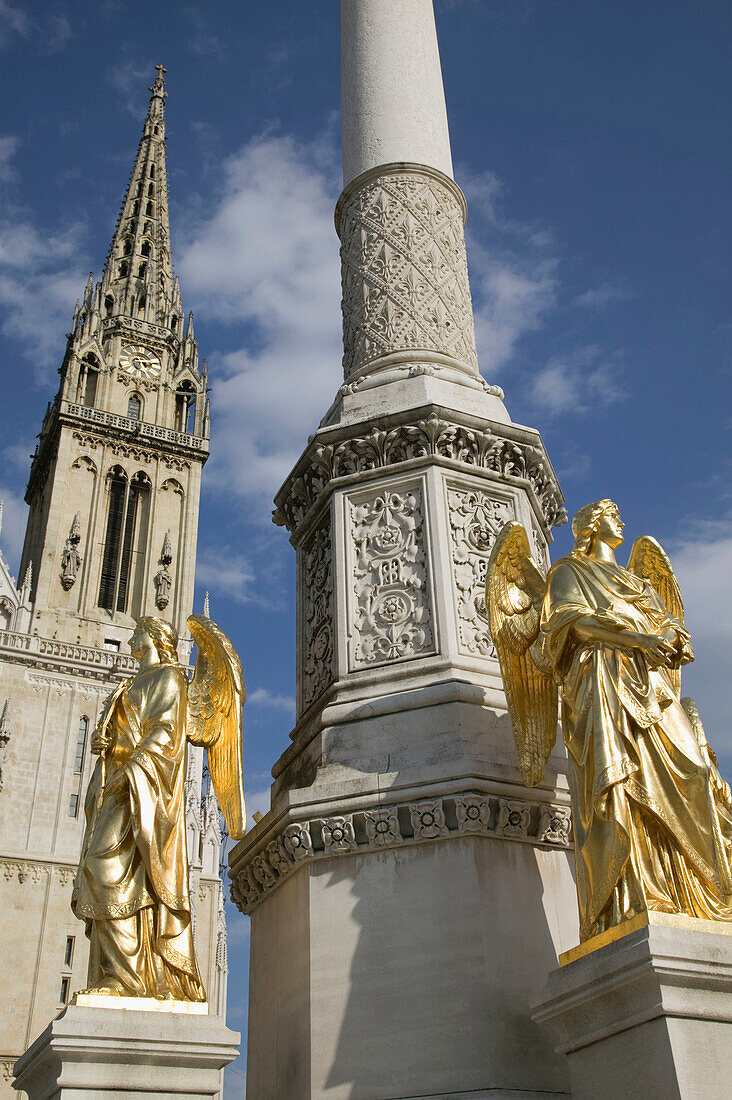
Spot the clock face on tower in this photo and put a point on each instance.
(139, 361)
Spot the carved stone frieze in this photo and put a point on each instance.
(404, 272)
(432, 436)
(392, 615)
(317, 649)
(475, 520)
(471, 813)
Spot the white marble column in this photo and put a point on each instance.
(408, 895)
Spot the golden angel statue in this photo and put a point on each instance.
(652, 821)
(132, 884)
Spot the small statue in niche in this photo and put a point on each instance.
(162, 579)
(71, 558)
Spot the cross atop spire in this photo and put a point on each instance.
(158, 85)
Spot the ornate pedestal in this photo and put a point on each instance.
(117, 1053)
(648, 1014)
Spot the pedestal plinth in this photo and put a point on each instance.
(119, 1054)
(648, 1013)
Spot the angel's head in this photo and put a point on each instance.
(599, 520)
(150, 628)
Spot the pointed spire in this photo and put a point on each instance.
(138, 275)
(206, 607)
(190, 334)
(89, 291)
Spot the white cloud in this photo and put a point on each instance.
(585, 378)
(261, 697)
(15, 515)
(268, 259)
(600, 296)
(703, 565)
(128, 78)
(48, 33)
(8, 148)
(257, 802)
(13, 20)
(227, 572)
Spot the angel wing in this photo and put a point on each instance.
(215, 698)
(514, 592)
(649, 560)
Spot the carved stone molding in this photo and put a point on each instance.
(317, 649)
(401, 824)
(476, 517)
(392, 616)
(481, 448)
(33, 872)
(404, 272)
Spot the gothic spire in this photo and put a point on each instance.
(138, 276)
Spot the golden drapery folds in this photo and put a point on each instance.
(651, 816)
(132, 885)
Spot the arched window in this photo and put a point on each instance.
(174, 322)
(81, 745)
(145, 250)
(6, 614)
(147, 228)
(185, 408)
(149, 209)
(156, 129)
(141, 305)
(152, 171)
(123, 269)
(134, 407)
(108, 305)
(136, 208)
(151, 190)
(128, 247)
(142, 269)
(86, 391)
(125, 537)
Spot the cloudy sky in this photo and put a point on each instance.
(592, 141)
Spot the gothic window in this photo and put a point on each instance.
(6, 614)
(147, 227)
(125, 537)
(152, 171)
(175, 321)
(151, 190)
(149, 209)
(134, 407)
(81, 745)
(185, 408)
(139, 188)
(156, 129)
(65, 984)
(69, 952)
(128, 247)
(142, 269)
(136, 207)
(74, 805)
(141, 305)
(86, 391)
(108, 305)
(123, 268)
(145, 250)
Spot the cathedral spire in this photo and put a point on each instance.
(138, 277)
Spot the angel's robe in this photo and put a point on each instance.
(132, 884)
(649, 831)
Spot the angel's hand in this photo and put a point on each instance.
(658, 651)
(100, 744)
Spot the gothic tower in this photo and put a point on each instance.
(114, 494)
(408, 894)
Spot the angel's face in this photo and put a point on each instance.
(140, 643)
(610, 529)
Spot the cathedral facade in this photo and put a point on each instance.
(113, 497)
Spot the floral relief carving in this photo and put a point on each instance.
(382, 827)
(514, 817)
(473, 813)
(404, 272)
(428, 819)
(297, 841)
(338, 834)
(433, 436)
(475, 520)
(555, 823)
(318, 652)
(392, 614)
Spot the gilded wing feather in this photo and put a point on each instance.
(649, 560)
(215, 698)
(515, 588)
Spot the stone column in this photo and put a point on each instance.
(408, 895)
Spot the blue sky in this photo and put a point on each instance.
(592, 141)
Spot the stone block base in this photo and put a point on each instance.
(116, 1054)
(648, 1013)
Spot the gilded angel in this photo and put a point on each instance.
(651, 814)
(132, 886)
